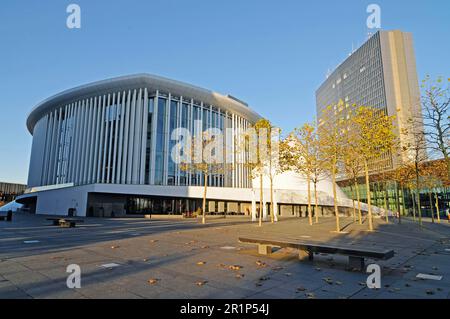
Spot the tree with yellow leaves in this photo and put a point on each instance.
(303, 144)
(331, 129)
(434, 175)
(352, 163)
(375, 137)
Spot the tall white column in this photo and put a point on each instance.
(125, 139)
(89, 143)
(137, 149)
(111, 102)
(102, 102)
(96, 140)
(120, 149)
(106, 124)
(154, 137)
(144, 137)
(166, 140)
(131, 159)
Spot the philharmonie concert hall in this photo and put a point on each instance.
(103, 149)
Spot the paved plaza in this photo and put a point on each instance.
(183, 259)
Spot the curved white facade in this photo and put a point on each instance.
(118, 132)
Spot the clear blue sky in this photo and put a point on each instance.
(271, 54)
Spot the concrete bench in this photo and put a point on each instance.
(356, 255)
(7, 217)
(65, 222)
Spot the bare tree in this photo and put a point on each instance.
(435, 104)
(414, 152)
(202, 158)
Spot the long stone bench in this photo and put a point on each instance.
(65, 222)
(356, 255)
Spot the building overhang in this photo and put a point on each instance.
(149, 81)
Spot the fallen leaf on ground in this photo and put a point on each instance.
(153, 281)
(200, 263)
(114, 247)
(239, 276)
(235, 267)
(259, 263)
(201, 283)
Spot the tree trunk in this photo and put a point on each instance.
(204, 199)
(272, 219)
(353, 202)
(386, 211)
(447, 161)
(437, 208)
(336, 209)
(358, 198)
(316, 201)
(260, 198)
(308, 177)
(431, 206)
(419, 208)
(369, 204)
(413, 197)
(397, 200)
(403, 205)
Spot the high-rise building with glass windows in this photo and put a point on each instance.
(380, 74)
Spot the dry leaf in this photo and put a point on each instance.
(153, 281)
(235, 267)
(201, 283)
(200, 263)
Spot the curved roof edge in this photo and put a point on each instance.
(134, 81)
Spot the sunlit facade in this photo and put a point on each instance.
(380, 74)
